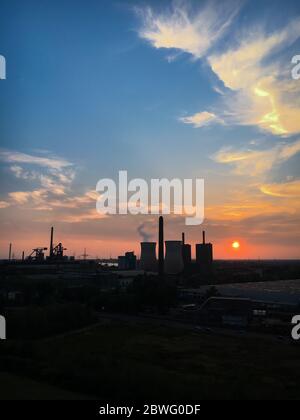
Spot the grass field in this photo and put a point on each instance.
(120, 362)
(13, 387)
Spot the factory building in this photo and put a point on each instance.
(127, 261)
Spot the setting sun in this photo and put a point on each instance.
(236, 245)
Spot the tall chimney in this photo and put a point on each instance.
(23, 256)
(9, 252)
(183, 238)
(203, 235)
(161, 247)
(51, 243)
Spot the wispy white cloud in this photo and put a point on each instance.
(184, 29)
(201, 119)
(260, 90)
(54, 174)
(24, 197)
(19, 172)
(47, 162)
(256, 162)
(83, 201)
(286, 189)
(4, 204)
(51, 193)
(82, 216)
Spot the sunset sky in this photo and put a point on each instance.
(174, 89)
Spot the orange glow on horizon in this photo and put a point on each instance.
(104, 247)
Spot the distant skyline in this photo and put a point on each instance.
(174, 89)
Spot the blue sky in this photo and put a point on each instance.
(149, 86)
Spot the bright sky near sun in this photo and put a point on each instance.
(161, 89)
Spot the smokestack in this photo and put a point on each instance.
(186, 252)
(161, 256)
(203, 235)
(148, 260)
(9, 252)
(23, 256)
(51, 243)
(174, 260)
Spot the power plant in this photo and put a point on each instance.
(204, 254)
(174, 256)
(148, 260)
(173, 260)
(186, 252)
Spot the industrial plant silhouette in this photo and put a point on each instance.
(174, 256)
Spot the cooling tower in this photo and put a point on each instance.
(148, 256)
(187, 254)
(204, 254)
(173, 258)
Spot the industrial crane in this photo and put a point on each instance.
(37, 254)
